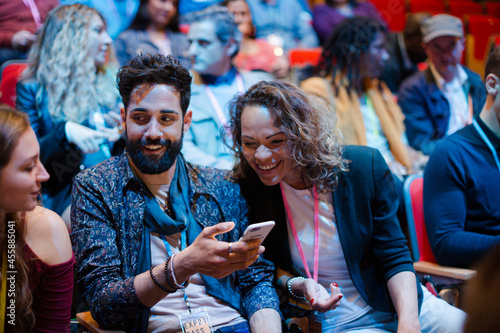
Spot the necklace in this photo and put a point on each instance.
(164, 206)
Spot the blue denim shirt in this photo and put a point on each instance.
(107, 221)
(285, 18)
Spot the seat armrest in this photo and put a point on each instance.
(425, 267)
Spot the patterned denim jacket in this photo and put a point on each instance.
(107, 222)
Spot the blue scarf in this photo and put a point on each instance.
(156, 220)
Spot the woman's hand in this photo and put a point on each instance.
(408, 326)
(87, 139)
(316, 294)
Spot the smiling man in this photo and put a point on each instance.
(445, 97)
(154, 251)
(214, 41)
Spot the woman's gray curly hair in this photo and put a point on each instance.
(60, 60)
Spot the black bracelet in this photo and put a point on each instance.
(156, 282)
(167, 276)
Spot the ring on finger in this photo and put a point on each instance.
(230, 248)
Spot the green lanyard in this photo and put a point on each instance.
(371, 115)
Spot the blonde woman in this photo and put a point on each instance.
(67, 91)
(36, 257)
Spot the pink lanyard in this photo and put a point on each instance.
(34, 11)
(296, 237)
(215, 103)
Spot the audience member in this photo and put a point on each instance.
(481, 296)
(294, 170)
(37, 261)
(405, 51)
(155, 29)
(254, 54)
(461, 184)
(445, 97)
(118, 14)
(328, 15)
(214, 42)
(367, 113)
(283, 23)
(19, 22)
(132, 212)
(67, 91)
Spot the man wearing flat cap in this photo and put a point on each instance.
(445, 97)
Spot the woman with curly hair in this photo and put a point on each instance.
(36, 256)
(335, 211)
(68, 91)
(154, 30)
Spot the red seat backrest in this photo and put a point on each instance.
(11, 71)
(417, 203)
(481, 27)
(492, 8)
(460, 8)
(304, 56)
(393, 12)
(434, 6)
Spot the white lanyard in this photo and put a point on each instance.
(215, 103)
(169, 252)
(34, 12)
(487, 141)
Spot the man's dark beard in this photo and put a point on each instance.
(153, 164)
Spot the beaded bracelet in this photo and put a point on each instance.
(167, 278)
(156, 281)
(289, 286)
(179, 286)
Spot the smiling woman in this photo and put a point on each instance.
(154, 30)
(336, 200)
(37, 253)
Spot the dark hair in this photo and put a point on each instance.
(493, 63)
(154, 69)
(353, 3)
(13, 124)
(308, 123)
(142, 19)
(345, 45)
(225, 26)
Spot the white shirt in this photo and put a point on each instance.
(332, 265)
(164, 314)
(375, 137)
(460, 115)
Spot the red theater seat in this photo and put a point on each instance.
(10, 73)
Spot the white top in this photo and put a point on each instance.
(164, 314)
(454, 92)
(375, 137)
(332, 265)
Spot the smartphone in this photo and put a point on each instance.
(257, 231)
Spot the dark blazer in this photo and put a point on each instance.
(427, 111)
(366, 204)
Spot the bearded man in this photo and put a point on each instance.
(153, 249)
